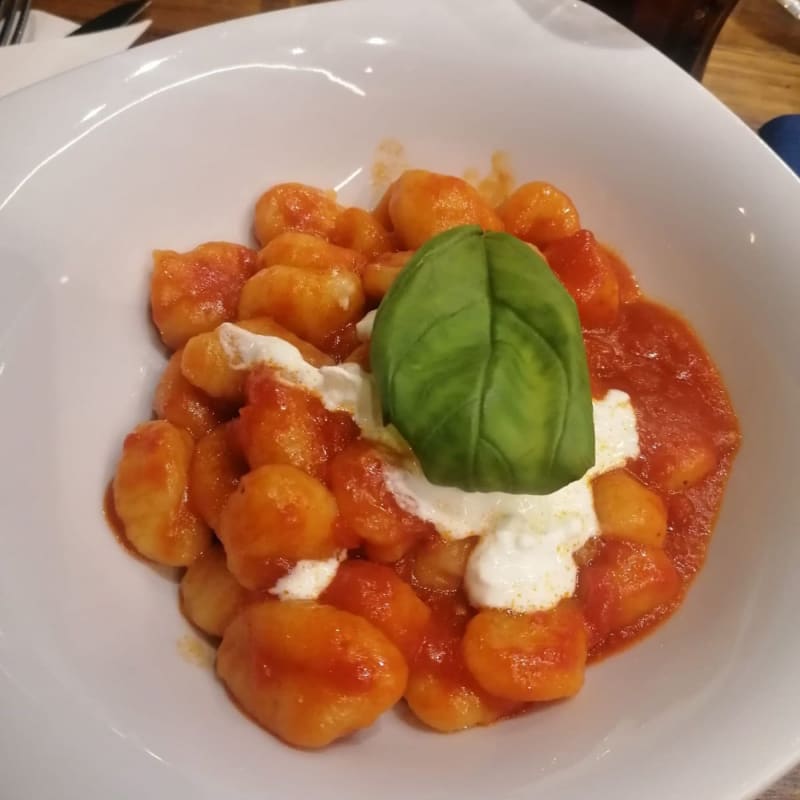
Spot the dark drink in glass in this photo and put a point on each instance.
(685, 30)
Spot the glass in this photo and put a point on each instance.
(685, 30)
(792, 6)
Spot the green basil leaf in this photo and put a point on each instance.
(480, 364)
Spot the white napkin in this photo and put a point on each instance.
(45, 52)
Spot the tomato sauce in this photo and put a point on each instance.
(688, 436)
(680, 403)
(681, 407)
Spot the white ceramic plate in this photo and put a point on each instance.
(169, 145)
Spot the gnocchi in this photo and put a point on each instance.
(625, 584)
(277, 515)
(582, 267)
(196, 291)
(527, 657)
(440, 564)
(441, 691)
(183, 404)
(310, 673)
(217, 466)
(684, 461)
(378, 594)
(627, 509)
(205, 365)
(369, 508)
(150, 495)
(333, 596)
(539, 213)
(210, 596)
(361, 231)
(381, 273)
(283, 424)
(294, 207)
(423, 204)
(307, 251)
(313, 304)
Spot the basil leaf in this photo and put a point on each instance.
(480, 364)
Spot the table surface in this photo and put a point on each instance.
(754, 68)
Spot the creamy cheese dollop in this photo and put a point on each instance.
(343, 387)
(308, 579)
(365, 324)
(524, 558)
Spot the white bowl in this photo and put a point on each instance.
(169, 145)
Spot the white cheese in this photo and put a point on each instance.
(344, 387)
(458, 514)
(365, 324)
(524, 559)
(615, 436)
(308, 579)
(245, 350)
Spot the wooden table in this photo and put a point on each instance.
(754, 68)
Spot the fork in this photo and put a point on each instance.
(11, 12)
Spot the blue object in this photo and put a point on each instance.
(782, 134)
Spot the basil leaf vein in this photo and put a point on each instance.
(479, 359)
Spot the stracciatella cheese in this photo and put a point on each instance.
(343, 387)
(364, 326)
(308, 579)
(524, 558)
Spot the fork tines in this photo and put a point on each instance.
(13, 16)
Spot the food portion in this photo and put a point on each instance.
(309, 672)
(443, 452)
